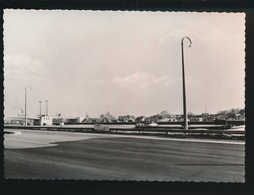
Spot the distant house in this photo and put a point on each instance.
(71, 120)
(236, 116)
(166, 118)
(196, 118)
(97, 120)
(131, 119)
(153, 118)
(207, 117)
(163, 120)
(220, 117)
(115, 120)
(127, 118)
(140, 119)
(79, 119)
(57, 120)
(87, 120)
(180, 118)
(106, 120)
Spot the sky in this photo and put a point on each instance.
(124, 62)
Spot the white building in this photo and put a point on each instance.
(46, 120)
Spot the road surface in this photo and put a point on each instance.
(33, 154)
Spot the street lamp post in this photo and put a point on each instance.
(46, 107)
(40, 108)
(26, 102)
(184, 92)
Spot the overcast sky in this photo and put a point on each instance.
(123, 62)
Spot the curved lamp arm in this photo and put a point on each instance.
(188, 39)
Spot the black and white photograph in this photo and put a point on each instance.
(124, 95)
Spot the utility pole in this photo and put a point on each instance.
(46, 107)
(40, 108)
(26, 103)
(184, 91)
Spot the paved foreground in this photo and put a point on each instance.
(58, 155)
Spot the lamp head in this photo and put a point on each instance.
(188, 39)
(29, 87)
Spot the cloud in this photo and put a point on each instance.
(140, 79)
(21, 66)
(178, 35)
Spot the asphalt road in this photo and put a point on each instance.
(109, 157)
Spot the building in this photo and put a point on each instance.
(57, 120)
(168, 118)
(196, 118)
(88, 120)
(46, 120)
(92, 120)
(126, 118)
(207, 117)
(140, 119)
(19, 120)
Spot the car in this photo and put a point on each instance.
(140, 125)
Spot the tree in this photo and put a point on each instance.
(242, 112)
(223, 112)
(120, 118)
(234, 110)
(164, 113)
